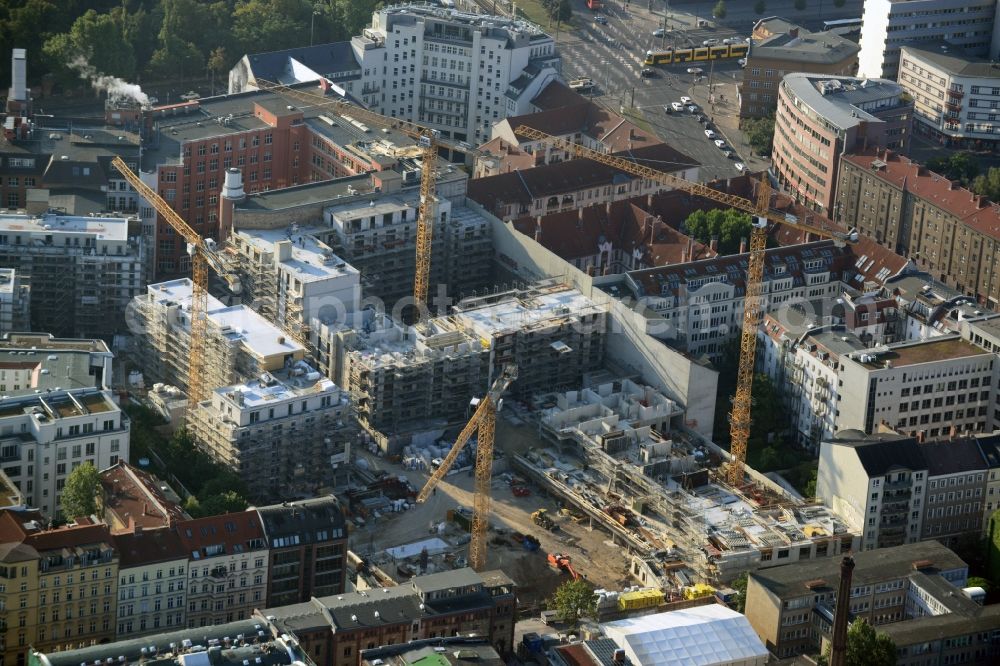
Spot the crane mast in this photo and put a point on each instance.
(483, 422)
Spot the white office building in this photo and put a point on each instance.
(890, 24)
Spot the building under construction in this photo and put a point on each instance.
(239, 343)
(82, 271)
(15, 304)
(286, 433)
(408, 378)
(621, 449)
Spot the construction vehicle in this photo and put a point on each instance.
(563, 563)
(429, 140)
(753, 306)
(204, 254)
(483, 422)
(541, 518)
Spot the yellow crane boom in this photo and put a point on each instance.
(483, 422)
(753, 305)
(203, 256)
(429, 141)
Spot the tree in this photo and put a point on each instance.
(740, 585)
(760, 7)
(728, 226)
(217, 63)
(958, 166)
(979, 581)
(573, 600)
(98, 39)
(83, 494)
(988, 184)
(800, 5)
(719, 12)
(866, 647)
(760, 133)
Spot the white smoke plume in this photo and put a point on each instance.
(116, 88)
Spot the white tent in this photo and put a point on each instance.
(711, 635)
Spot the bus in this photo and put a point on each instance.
(842, 23)
(697, 54)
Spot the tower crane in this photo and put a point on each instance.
(429, 141)
(204, 254)
(752, 310)
(484, 421)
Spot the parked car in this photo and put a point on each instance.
(710, 42)
(720, 144)
(695, 70)
(600, 18)
(677, 106)
(647, 73)
(693, 108)
(686, 101)
(731, 40)
(727, 153)
(710, 134)
(740, 167)
(659, 32)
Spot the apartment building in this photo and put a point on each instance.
(891, 24)
(307, 542)
(453, 71)
(83, 271)
(227, 561)
(570, 185)
(898, 490)
(803, 361)
(779, 47)
(335, 630)
(820, 117)
(949, 231)
(283, 433)
(230, 644)
(699, 304)
(935, 388)
(792, 608)
(61, 585)
(15, 302)
(991, 497)
(57, 413)
(240, 343)
(949, 87)
(152, 575)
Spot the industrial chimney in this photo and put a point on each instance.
(232, 193)
(18, 103)
(838, 656)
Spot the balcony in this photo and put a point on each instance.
(957, 94)
(953, 105)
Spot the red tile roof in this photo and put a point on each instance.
(495, 192)
(976, 211)
(512, 158)
(149, 547)
(234, 531)
(134, 498)
(628, 224)
(556, 94)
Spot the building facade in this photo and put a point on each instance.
(949, 88)
(891, 24)
(307, 550)
(820, 117)
(227, 561)
(152, 579)
(780, 47)
(15, 302)
(791, 608)
(83, 271)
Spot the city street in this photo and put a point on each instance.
(612, 54)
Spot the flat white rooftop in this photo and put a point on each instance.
(311, 259)
(102, 228)
(237, 322)
(374, 208)
(517, 313)
(284, 386)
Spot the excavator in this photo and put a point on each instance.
(563, 563)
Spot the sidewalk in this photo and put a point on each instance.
(725, 116)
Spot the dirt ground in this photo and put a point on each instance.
(603, 564)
